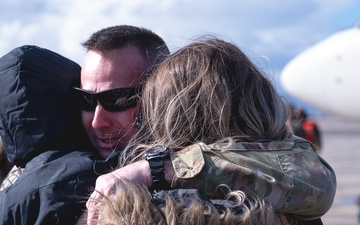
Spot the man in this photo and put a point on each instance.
(45, 137)
(119, 58)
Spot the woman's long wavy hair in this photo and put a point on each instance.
(132, 204)
(209, 91)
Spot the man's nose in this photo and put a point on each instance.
(102, 118)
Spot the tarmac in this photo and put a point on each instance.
(341, 149)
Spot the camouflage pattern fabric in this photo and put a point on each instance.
(289, 175)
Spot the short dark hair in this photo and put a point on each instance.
(151, 46)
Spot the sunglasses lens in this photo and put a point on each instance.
(118, 99)
(85, 101)
(120, 104)
(114, 100)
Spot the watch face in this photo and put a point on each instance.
(158, 151)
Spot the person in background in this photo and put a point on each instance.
(312, 131)
(223, 123)
(304, 127)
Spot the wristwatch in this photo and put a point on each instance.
(156, 156)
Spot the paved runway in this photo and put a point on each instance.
(341, 149)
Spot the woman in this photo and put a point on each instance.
(224, 123)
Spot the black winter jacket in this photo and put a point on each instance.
(41, 131)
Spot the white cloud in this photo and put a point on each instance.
(270, 32)
(275, 29)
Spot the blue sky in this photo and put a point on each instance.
(271, 33)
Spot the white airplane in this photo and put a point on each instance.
(327, 75)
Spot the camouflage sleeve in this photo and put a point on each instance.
(292, 177)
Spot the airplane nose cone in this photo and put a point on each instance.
(327, 74)
(302, 78)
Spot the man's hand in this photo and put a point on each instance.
(138, 172)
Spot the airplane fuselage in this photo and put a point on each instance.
(327, 75)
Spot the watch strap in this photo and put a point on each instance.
(155, 157)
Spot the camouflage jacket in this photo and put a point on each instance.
(289, 175)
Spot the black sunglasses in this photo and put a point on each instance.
(113, 100)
